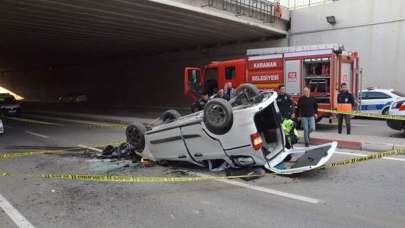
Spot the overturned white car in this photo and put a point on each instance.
(244, 132)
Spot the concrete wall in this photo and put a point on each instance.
(141, 81)
(374, 28)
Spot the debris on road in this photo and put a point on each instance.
(123, 151)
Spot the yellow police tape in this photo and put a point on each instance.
(362, 114)
(155, 179)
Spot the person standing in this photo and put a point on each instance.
(344, 97)
(229, 91)
(284, 103)
(307, 110)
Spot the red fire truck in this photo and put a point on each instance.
(322, 68)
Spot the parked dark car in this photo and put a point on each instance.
(9, 105)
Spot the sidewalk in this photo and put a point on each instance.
(356, 142)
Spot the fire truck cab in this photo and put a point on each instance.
(322, 68)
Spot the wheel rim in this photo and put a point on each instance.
(216, 115)
(134, 136)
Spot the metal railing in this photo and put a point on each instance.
(263, 10)
(297, 4)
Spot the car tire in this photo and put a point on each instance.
(169, 116)
(249, 89)
(245, 94)
(135, 134)
(218, 116)
(385, 111)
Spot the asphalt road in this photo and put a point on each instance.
(368, 194)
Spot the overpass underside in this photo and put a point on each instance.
(52, 47)
(115, 27)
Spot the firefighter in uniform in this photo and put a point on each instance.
(284, 103)
(344, 97)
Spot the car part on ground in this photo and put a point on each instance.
(245, 132)
(124, 150)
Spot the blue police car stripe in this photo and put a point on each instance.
(375, 106)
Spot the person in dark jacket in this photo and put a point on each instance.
(344, 97)
(202, 101)
(284, 103)
(307, 110)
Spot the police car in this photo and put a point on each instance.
(378, 100)
(397, 109)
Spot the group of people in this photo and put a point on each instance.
(227, 93)
(307, 109)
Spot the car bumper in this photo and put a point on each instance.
(11, 112)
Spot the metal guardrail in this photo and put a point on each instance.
(263, 10)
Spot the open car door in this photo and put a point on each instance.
(299, 160)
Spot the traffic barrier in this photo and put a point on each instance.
(362, 114)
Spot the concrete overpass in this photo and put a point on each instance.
(39, 35)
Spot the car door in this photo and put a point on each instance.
(201, 146)
(375, 102)
(167, 143)
(299, 160)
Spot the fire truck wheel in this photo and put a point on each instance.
(135, 134)
(218, 116)
(169, 116)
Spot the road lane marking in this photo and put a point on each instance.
(351, 154)
(90, 148)
(263, 189)
(394, 159)
(16, 216)
(36, 134)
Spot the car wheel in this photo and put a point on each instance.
(248, 89)
(218, 116)
(135, 134)
(385, 111)
(245, 93)
(169, 116)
